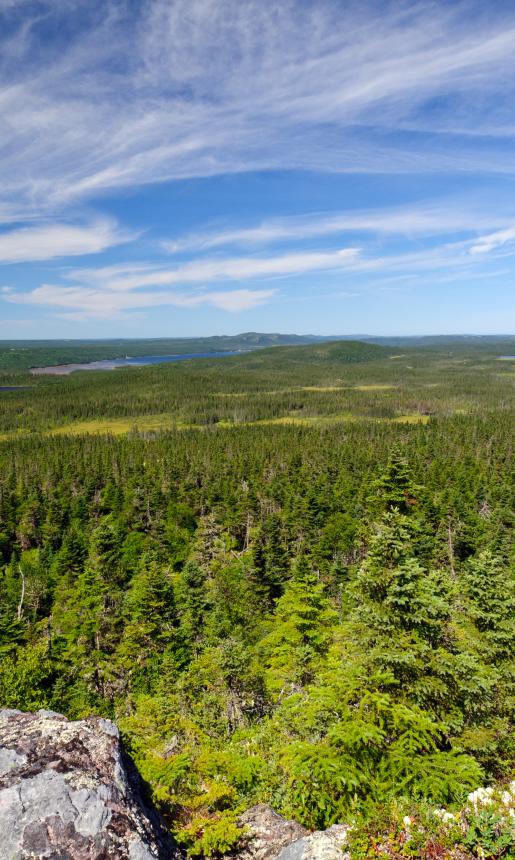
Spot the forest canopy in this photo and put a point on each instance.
(288, 576)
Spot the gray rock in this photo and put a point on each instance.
(67, 792)
(271, 837)
(267, 833)
(9, 759)
(320, 845)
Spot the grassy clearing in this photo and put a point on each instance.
(315, 388)
(165, 422)
(373, 387)
(237, 394)
(320, 388)
(290, 390)
(306, 420)
(162, 423)
(412, 418)
(116, 426)
(16, 434)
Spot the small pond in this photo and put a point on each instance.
(14, 387)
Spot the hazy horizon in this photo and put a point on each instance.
(311, 334)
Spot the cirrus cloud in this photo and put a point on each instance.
(109, 290)
(50, 241)
(114, 95)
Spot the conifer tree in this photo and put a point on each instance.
(491, 591)
(192, 602)
(301, 630)
(270, 559)
(150, 622)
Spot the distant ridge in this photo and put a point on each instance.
(334, 352)
(23, 354)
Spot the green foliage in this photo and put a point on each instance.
(25, 678)
(300, 632)
(492, 603)
(316, 613)
(205, 837)
(486, 835)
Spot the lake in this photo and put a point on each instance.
(14, 387)
(139, 361)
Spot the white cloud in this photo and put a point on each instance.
(201, 87)
(109, 290)
(90, 303)
(49, 241)
(493, 241)
(418, 220)
(125, 278)
(233, 300)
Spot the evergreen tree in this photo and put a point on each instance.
(300, 632)
(149, 627)
(270, 559)
(490, 589)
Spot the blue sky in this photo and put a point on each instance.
(187, 167)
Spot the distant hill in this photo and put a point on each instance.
(497, 343)
(330, 352)
(23, 354)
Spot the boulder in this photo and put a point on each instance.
(68, 792)
(271, 837)
(266, 833)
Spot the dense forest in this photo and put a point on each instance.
(287, 575)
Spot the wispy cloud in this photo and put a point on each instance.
(414, 221)
(122, 278)
(197, 88)
(82, 303)
(103, 97)
(108, 290)
(50, 241)
(493, 241)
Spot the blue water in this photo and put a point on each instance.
(138, 361)
(14, 387)
(161, 359)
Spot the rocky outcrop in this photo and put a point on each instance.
(266, 833)
(68, 792)
(271, 837)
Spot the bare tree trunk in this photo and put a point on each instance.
(22, 595)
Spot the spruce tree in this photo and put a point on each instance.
(300, 632)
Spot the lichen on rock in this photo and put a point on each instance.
(271, 837)
(68, 792)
